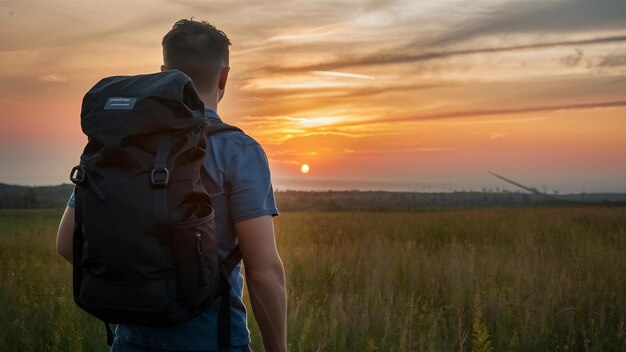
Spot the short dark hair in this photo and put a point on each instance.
(198, 49)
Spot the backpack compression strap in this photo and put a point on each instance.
(77, 252)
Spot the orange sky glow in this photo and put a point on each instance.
(377, 94)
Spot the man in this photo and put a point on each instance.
(236, 175)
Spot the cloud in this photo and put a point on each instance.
(572, 60)
(73, 30)
(406, 57)
(492, 121)
(341, 93)
(399, 150)
(612, 60)
(52, 78)
(342, 75)
(541, 17)
(496, 135)
(335, 144)
(492, 112)
(523, 110)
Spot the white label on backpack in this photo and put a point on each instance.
(120, 103)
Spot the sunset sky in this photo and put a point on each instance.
(379, 94)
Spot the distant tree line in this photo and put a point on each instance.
(26, 201)
(56, 196)
(380, 201)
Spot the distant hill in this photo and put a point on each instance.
(15, 196)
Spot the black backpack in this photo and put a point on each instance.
(145, 247)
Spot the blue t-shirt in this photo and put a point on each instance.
(237, 177)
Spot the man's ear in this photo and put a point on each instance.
(221, 84)
(163, 68)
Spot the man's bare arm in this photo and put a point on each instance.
(265, 278)
(65, 234)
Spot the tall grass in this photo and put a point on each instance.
(537, 279)
(36, 306)
(470, 280)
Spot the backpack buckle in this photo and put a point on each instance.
(77, 175)
(160, 177)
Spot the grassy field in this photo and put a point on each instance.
(466, 280)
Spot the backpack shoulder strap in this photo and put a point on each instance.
(110, 333)
(223, 327)
(219, 126)
(230, 262)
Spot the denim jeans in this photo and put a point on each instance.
(120, 345)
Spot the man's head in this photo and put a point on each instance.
(201, 51)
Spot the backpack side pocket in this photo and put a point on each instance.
(194, 245)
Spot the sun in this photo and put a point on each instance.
(305, 168)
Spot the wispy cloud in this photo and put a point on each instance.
(523, 17)
(342, 75)
(492, 112)
(399, 150)
(572, 60)
(496, 135)
(339, 93)
(613, 60)
(308, 34)
(523, 110)
(407, 57)
(490, 121)
(52, 78)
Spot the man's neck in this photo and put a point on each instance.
(209, 100)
